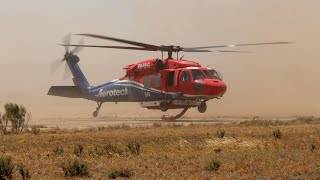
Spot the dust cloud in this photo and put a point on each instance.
(279, 80)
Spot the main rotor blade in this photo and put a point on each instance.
(111, 47)
(237, 45)
(148, 46)
(226, 51)
(195, 50)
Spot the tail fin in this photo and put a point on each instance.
(65, 91)
(78, 77)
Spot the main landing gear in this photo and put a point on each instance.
(171, 118)
(202, 107)
(96, 112)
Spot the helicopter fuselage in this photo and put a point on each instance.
(149, 82)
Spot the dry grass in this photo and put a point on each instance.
(248, 150)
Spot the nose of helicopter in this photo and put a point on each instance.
(216, 88)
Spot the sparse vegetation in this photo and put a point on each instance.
(113, 149)
(99, 151)
(134, 148)
(101, 128)
(305, 118)
(312, 147)
(220, 133)
(24, 172)
(78, 149)
(17, 115)
(217, 150)
(214, 165)
(6, 168)
(76, 168)
(3, 123)
(167, 152)
(58, 150)
(156, 125)
(120, 173)
(277, 134)
(35, 130)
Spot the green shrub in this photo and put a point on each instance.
(214, 165)
(58, 150)
(96, 150)
(306, 119)
(277, 134)
(220, 133)
(112, 149)
(24, 172)
(134, 148)
(101, 128)
(35, 130)
(120, 173)
(312, 147)
(156, 124)
(217, 150)
(78, 149)
(99, 151)
(3, 123)
(76, 168)
(16, 115)
(6, 168)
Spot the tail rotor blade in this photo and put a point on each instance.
(78, 48)
(67, 40)
(55, 65)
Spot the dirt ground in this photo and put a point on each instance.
(190, 149)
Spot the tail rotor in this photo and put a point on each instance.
(68, 53)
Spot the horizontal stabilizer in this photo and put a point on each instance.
(65, 91)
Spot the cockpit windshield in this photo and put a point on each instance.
(208, 74)
(215, 74)
(197, 74)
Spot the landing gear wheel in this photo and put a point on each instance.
(202, 107)
(172, 118)
(164, 106)
(96, 112)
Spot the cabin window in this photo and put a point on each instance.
(156, 80)
(175, 78)
(147, 81)
(170, 78)
(185, 76)
(197, 74)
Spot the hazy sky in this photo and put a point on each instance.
(274, 80)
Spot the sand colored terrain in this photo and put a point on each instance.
(248, 150)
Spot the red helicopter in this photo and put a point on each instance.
(156, 83)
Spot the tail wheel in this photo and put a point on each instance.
(202, 107)
(164, 106)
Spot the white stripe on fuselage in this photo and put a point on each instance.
(131, 83)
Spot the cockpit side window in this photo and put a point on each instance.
(185, 77)
(215, 74)
(207, 74)
(197, 74)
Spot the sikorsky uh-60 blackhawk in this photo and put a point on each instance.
(158, 83)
